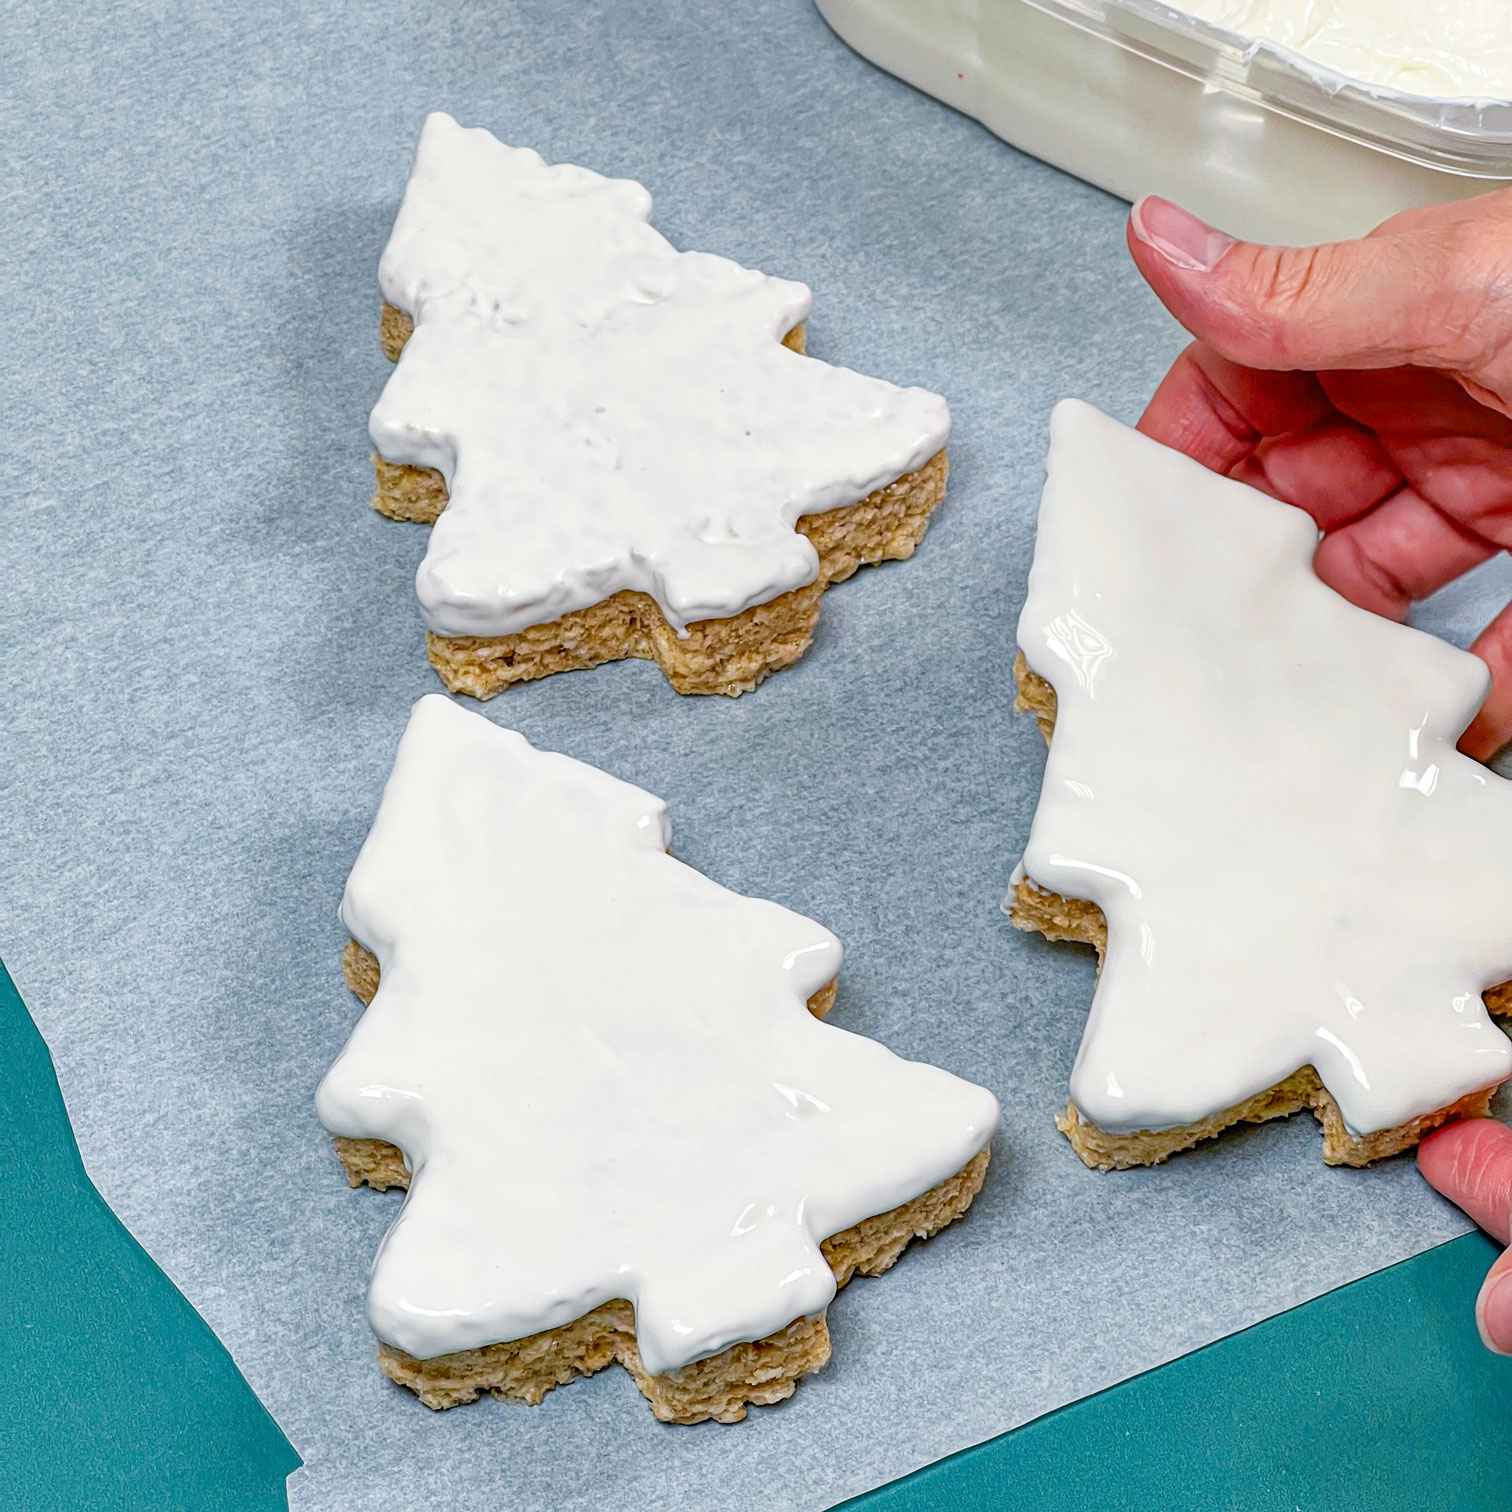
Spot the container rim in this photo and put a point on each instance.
(1469, 137)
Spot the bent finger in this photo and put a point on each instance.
(1491, 729)
(1408, 401)
(1470, 1163)
(1217, 411)
(1336, 471)
(1397, 553)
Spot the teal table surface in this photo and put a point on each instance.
(115, 1396)
(1378, 1397)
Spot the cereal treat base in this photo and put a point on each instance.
(729, 656)
(1036, 909)
(721, 1387)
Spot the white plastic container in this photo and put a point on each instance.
(1142, 99)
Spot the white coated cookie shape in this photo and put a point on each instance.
(601, 1068)
(609, 413)
(1258, 784)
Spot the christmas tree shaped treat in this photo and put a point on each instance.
(626, 1133)
(1253, 807)
(622, 448)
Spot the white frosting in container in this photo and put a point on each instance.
(1258, 784)
(609, 413)
(600, 1067)
(1445, 49)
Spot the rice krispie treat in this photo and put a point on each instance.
(622, 449)
(626, 1132)
(1254, 809)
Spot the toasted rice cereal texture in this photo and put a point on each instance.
(729, 656)
(1057, 918)
(721, 1387)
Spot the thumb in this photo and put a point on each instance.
(1471, 1164)
(1395, 297)
(1493, 1308)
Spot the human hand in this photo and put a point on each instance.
(1368, 382)
(1471, 1164)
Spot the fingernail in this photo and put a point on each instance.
(1493, 1314)
(1178, 235)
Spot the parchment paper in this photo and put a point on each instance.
(210, 644)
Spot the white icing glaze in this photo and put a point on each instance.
(1017, 875)
(600, 1066)
(1258, 784)
(609, 413)
(1445, 49)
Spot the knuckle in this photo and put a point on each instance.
(1288, 286)
(1289, 276)
(1466, 271)
(1367, 575)
(1485, 1171)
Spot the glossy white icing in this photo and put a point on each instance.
(1445, 49)
(609, 413)
(600, 1066)
(1258, 784)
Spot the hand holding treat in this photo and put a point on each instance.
(1471, 1164)
(1368, 382)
